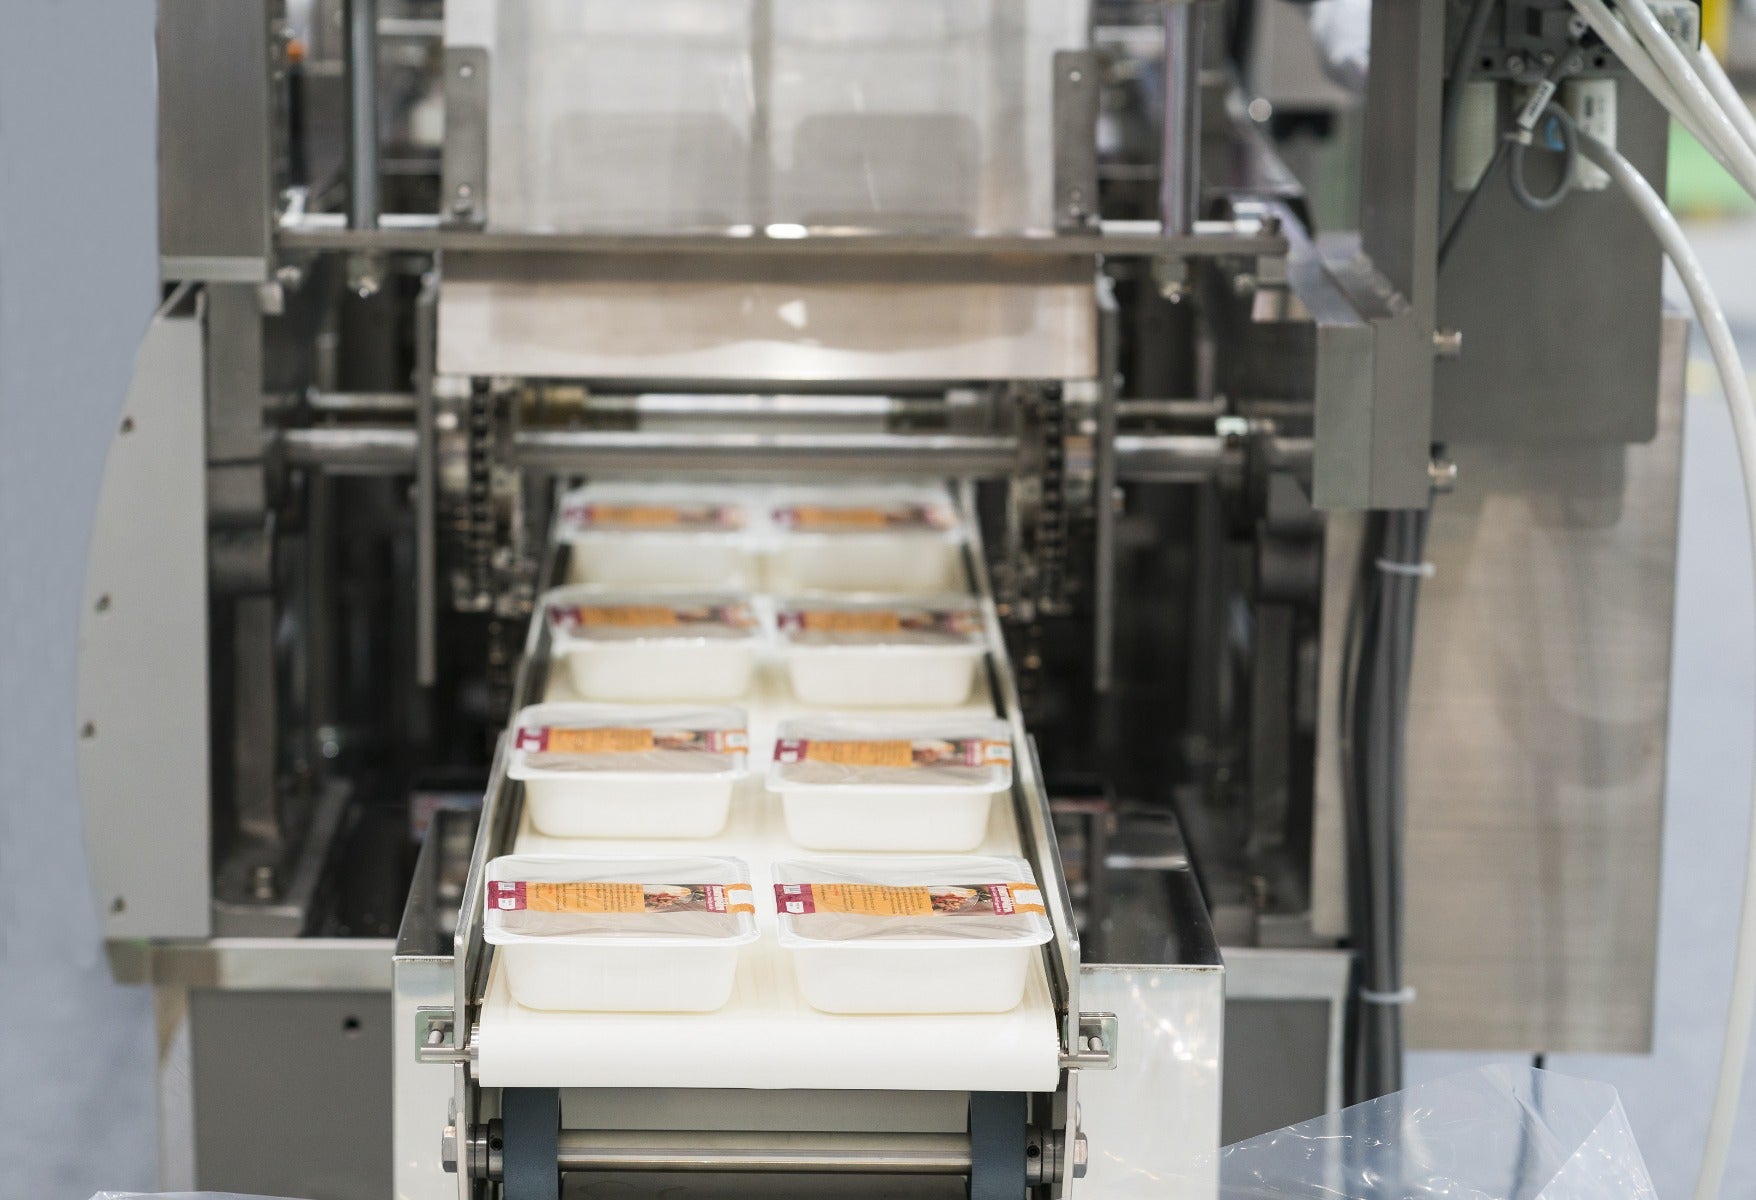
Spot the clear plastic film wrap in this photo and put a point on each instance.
(929, 901)
(895, 115)
(562, 740)
(1498, 1133)
(893, 754)
(581, 614)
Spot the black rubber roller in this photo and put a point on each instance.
(531, 1160)
(998, 1138)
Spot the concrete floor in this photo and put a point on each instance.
(76, 282)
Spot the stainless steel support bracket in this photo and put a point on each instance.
(1076, 94)
(436, 1039)
(464, 191)
(1095, 1047)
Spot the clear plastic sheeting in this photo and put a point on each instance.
(1498, 1133)
(924, 116)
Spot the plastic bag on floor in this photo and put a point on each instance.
(1499, 1133)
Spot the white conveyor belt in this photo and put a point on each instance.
(767, 1036)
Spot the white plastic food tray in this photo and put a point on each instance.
(767, 1036)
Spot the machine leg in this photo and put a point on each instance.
(531, 1121)
(997, 1144)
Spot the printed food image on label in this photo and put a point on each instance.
(926, 900)
(895, 752)
(951, 622)
(829, 518)
(681, 517)
(509, 895)
(606, 740)
(574, 617)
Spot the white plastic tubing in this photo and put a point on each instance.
(1737, 392)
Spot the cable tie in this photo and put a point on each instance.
(1421, 570)
(1404, 996)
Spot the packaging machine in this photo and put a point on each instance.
(426, 265)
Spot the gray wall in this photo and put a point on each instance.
(76, 285)
(77, 282)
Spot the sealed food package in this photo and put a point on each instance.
(890, 783)
(621, 771)
(607, 934)
(655, 647)
(865, 540)
(941, 934)
(635, 535)
(874, 651)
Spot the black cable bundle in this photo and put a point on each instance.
(1376, 661)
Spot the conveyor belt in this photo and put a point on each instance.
(767, 1036)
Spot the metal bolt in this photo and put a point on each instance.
(448, 1149)
(1260, 110)
(1448, 343)
(1244, 284)
(1515, 63)
(1576, 26)
(1081, 1155)
(1547, 58)
(466, 70)
(1075, 76)
(1442, 474)
(262, 883)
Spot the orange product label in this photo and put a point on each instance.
(829, 620)
(832, 518)
(651, 616)
(897, 752)
(657, 516)
(625, 615)
(926, 900)
(509, 895)
(597, 741)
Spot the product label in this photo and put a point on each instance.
(895, 752)
(641, 517)
(605, 740)
(926, 900)
(956, 622)
(509, 895)
(825, 518)
(574, 617)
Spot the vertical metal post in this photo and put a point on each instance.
(1104, 493)
(426, 489)
(1180, 186)
(362, 66)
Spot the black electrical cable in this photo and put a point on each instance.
(1463, 61)
(1451, 231)
(1377, 657)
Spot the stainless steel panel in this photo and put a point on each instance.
(1559, 317)
(1153, 1124)
(310, 1114)
(143, 709)
(1537, 744)
(280, 964)
(216, 194)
